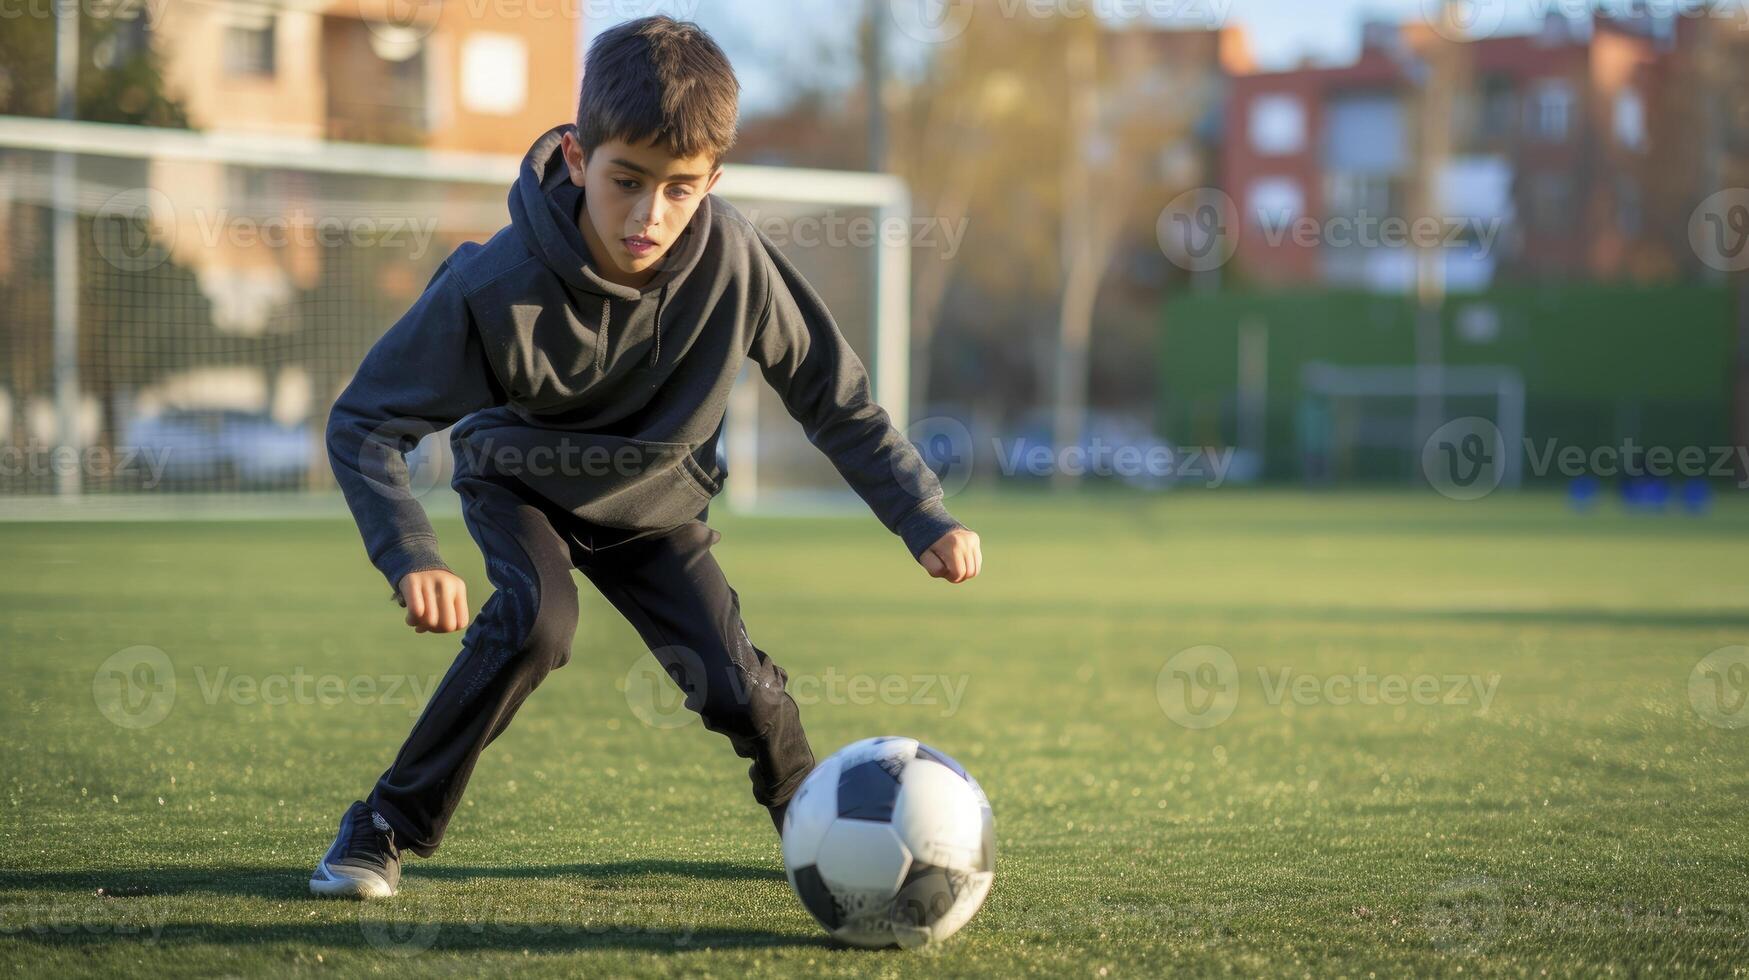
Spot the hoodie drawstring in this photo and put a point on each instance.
(601, 341)
(607, 320)
(656, 349)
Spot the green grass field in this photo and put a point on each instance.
(1462, 739)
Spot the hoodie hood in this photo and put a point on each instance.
(545, 207)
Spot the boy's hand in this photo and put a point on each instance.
(436, 601)
(956, 557)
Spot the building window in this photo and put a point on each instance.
(494, 74)
(1551, 110)
(1277, 125)
(1275, 202)
(249, 49)
(1630, 119)
(1551, 202)
(1499, 109)
(1352, 195)
(1627, 206)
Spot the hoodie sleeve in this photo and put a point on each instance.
(806, 360)
(425, 373)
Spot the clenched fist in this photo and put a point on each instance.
(436, 601)
(956, 557)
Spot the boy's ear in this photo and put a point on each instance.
(716, 175)
(575, 158)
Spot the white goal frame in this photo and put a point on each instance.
(886, 195)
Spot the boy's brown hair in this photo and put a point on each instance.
(663, 80)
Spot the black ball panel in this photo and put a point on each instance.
(816, 897)
(925, 752)
(868, 791)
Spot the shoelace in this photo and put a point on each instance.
(368, 825)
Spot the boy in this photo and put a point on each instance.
(585, 354)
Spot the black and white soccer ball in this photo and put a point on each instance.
(890, 843)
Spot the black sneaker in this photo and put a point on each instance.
(363, 861)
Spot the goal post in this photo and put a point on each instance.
(221, 287)
(1350, 412)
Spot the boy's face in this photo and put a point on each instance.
(637, 202)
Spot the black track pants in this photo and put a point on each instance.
(666, 584)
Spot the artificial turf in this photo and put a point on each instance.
(1540, 789)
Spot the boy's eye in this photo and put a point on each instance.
(681, 191)
(625, 184)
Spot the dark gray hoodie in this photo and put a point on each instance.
(604, 399)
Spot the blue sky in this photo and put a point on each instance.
(774, 41)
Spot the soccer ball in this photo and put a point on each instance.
(890, 843)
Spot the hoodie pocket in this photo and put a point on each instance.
(609, 480)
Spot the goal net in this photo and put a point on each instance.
(183, 308)
(1393, 423)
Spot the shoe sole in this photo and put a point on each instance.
(330, 884)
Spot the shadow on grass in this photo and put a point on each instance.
(418, 920)
(293, 881)
(405, 938)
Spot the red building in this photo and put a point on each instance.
(1542, 176)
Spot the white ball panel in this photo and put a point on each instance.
(810, 814)
(880, 747)
(863, 856)
(939, 817)
(965, 905)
